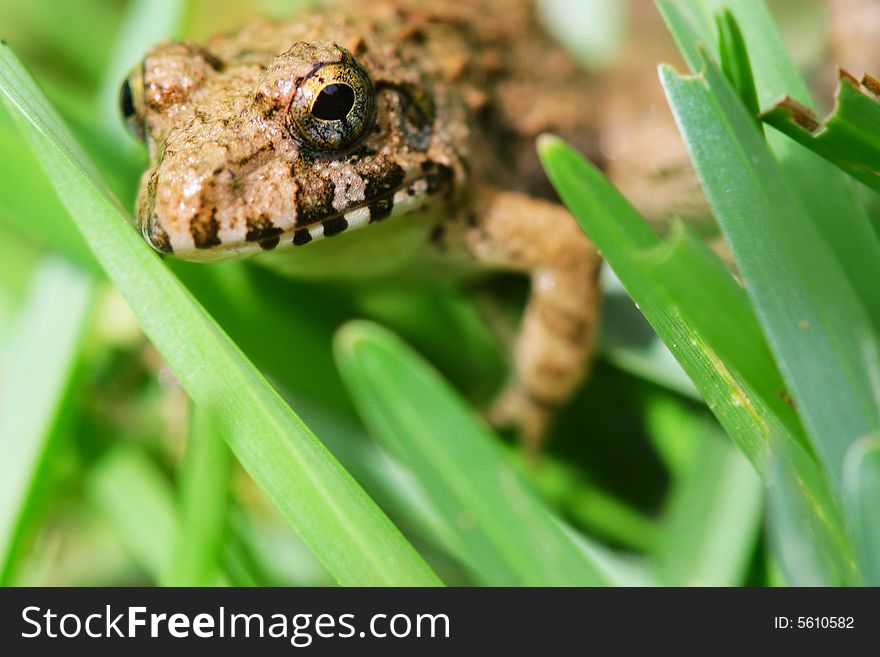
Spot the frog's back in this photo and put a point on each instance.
(498, 79)
(513, 80)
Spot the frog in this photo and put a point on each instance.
(365, 138)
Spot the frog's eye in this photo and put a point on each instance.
(131, 101)
(333, 106)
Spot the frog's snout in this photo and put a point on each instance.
(200, 205)
(181, 204)
(151, 229)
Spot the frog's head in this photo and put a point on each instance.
(249, 155)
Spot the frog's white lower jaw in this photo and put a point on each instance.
(405, 200)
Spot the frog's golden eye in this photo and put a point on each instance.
(333, 106)
(131, 102)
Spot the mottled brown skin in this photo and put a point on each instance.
(462, 89)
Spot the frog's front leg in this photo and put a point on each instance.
(541, 239)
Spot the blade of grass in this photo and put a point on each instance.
(692, 26)
(627, 341)
(683, 289)
(74, 34)
(145, 23)
(711, 521)
(835, 214)
(133, 494)
(848, 138)
(333, 515)
(203, 502)
(136, 498)
(17, 264)
(826, 193)
(27, 209)
(735, 60)
(670, 426)
(815, 322)
(38, 377)
(588, 505)
(508, 536)
(810, 548)
(862, 492)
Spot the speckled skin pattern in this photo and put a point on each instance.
(460, 91)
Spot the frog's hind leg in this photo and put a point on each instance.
(517, 232)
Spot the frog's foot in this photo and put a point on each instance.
(517, 232)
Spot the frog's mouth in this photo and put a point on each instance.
(397, 202)
(435, 181)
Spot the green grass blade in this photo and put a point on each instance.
(821, 333)
(72, 36)
(508, 536)
(145, 23)
(17, 264)
(813, 548)
(333, 515)
(862, 493)
(589, 506)
(691, 27)
(683, 289)
(826, 193)
(37, 379)
(849, 138)
(814, 320)
(27, 208)
(137, 499)
(735, 60)
(203, 503)
(694, 30)
(667, 419)
(711, 523)
(627, 341)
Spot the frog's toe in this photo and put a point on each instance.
(516, 409)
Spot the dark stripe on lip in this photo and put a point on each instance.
(314, 200)
(261, 229)
(381, 209)
(389, 178)
(205, 230)
(302, 236)
(269, 243)
(334, 226)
